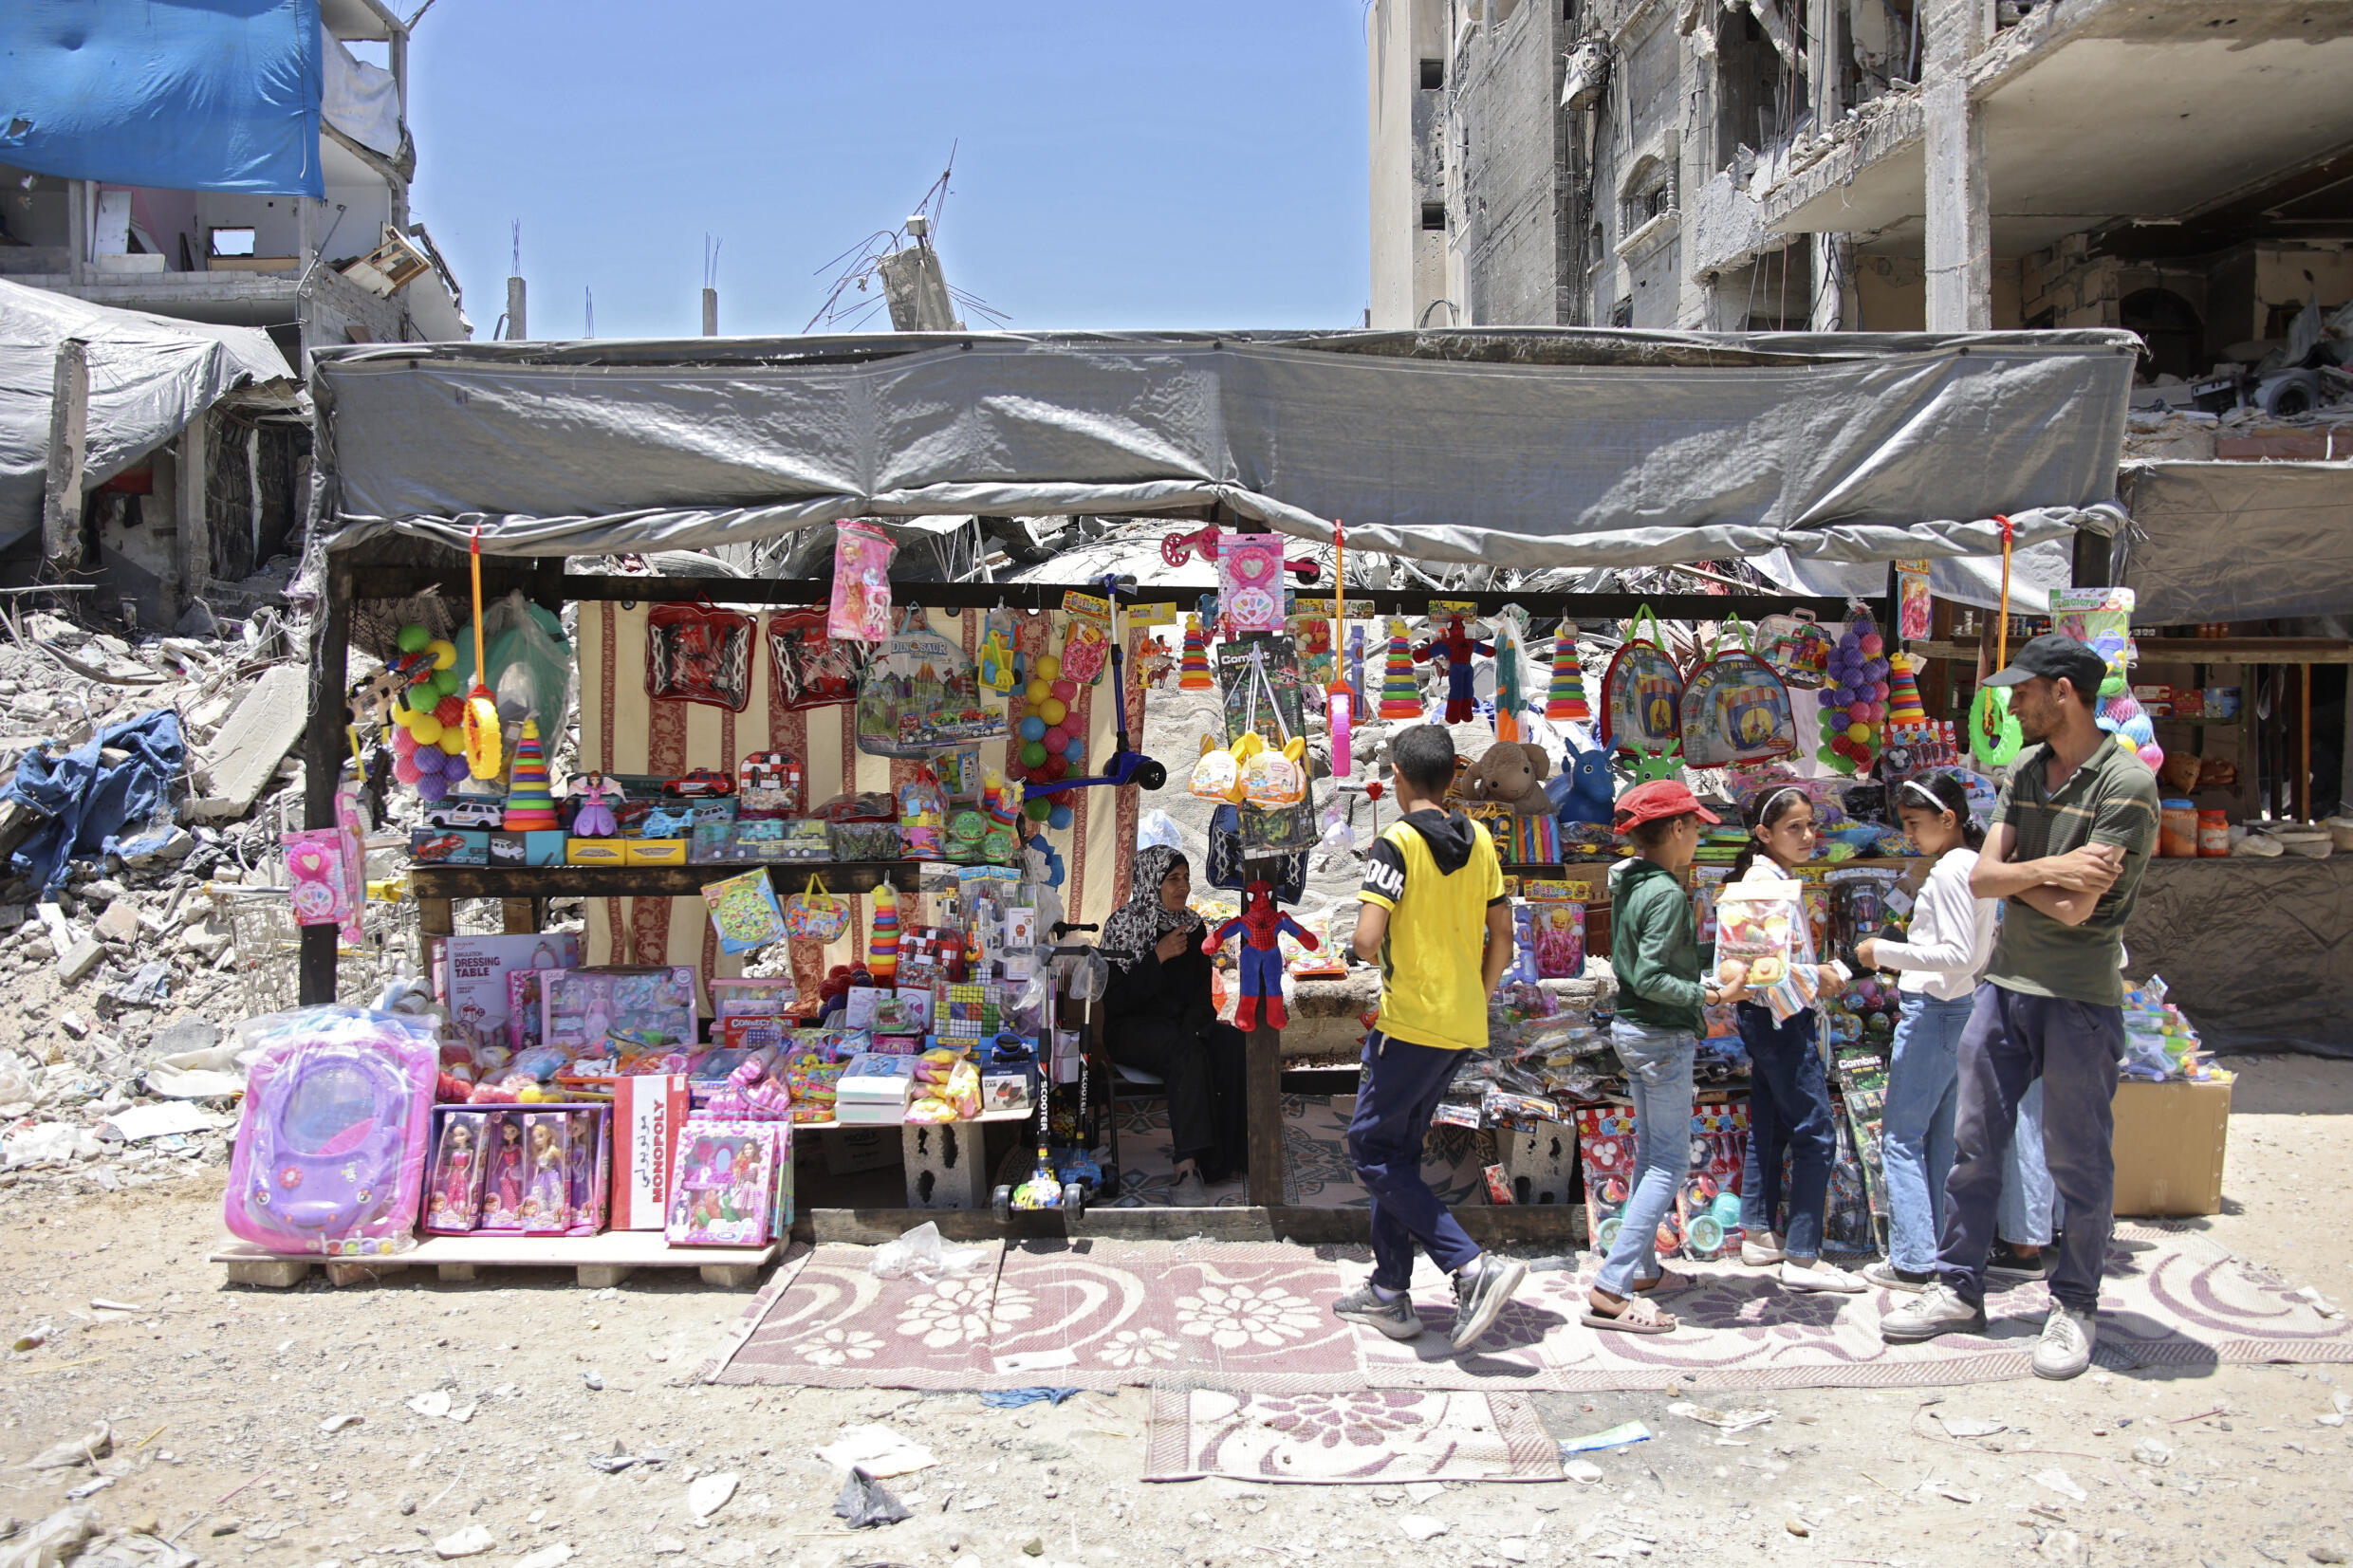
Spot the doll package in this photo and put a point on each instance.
(634, 1019)
(860, 609)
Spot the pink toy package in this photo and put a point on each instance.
(454, 1202)
(861, 607)
(588, 1176)
(547, 1177)
(507, 1169)
(330, 1152)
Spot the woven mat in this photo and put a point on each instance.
(1254, 1317)
(1367, 1438)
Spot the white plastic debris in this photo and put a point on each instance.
(88, 1448)
(433, 1403)
(1421, 1526)
(2060, 1482)
(1582, 1470)
(1728, 1420)
(471, 1542)
(878, 1451)
(337, 1423)
(922, 1255)
(49, 1543)
(708, 1494)
(50, 1143)
(1962, 1426)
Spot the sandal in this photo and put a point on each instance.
(1636, 1314)
(1665, 1283)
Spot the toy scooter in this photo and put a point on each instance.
(1067, 1185)
(1127, 765)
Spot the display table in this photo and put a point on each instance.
(2257, 951)
(599, 1260)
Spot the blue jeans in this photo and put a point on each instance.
(1916, 1127)
(2030, 1212)
(1658, 1079)
(1788, 1110)
(1403, 1083)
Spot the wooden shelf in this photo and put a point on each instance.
(430, 881)
(603, 1259)
(2238, 651)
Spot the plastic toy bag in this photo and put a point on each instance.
(1798, 650)
(919, 694)
(814, 670)
(1641, 695)
(860, 609)
(1759, 921)
(1734, 708)
(920, 1255)
(1219, 775)
(1250, 582)
(532, 660)
(1087, 642)
(330, 1151)
(698, 652)
(1272, 780)
(815, 916)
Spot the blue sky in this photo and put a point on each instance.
(1117, 164)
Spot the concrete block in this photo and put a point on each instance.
(79, 960)
(1542, 1165)
(946, 1167)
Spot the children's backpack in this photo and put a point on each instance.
(1642, 696)
(1798, 650)
(1735, 709)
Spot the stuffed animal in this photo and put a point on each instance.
(1583, 791)
(1509, 773)
(1454, 644)
(1261, 926)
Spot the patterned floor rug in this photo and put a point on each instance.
(1255, 1318)
(1370, 1436)
(1316, 1171)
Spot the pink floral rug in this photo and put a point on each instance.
(1255, 1318)
(1366, 1437)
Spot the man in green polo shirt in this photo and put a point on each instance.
(2076, 825)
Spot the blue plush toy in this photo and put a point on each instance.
(1583, 790)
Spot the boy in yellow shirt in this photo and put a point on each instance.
(1435, 919)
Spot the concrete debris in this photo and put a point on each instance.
(252, 742)
(2060, 1482)
(86, 1449)
(1421, 1526)
(473, 1541)
(52, 1541)
(706, 1495)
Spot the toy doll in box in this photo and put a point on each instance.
(547, 1184)
(505, 1172)
(585, 1176)
(454, 1201)
(602, 1011)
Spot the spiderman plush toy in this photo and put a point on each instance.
(1456, 644)
(1261, 925)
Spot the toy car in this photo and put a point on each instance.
(463, 812)
(699, 784)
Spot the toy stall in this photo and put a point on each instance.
(841, 839)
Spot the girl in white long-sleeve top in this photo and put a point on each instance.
(1951, 938)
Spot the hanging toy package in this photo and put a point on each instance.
(1995, 736)
(698, 652)
(813, 669)
(999, 662)
(861, 607)
(1735, 709)
(484, 739)
(1643, 701)
(1798, 650)
(330, 1152)
(1854, 700)
(1087, 644)
(1260, 681)
(745, 911)
(1250, 582)
(920, 693)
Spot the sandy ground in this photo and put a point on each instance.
(216, 1397)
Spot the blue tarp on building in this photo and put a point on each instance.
(195, 94)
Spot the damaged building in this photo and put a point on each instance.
(2184, 170)
(277, 222)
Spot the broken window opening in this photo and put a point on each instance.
(230, 242)
(2170, 327)
(1433, 215)
(1433, 75)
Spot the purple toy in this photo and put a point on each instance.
(330, 1155)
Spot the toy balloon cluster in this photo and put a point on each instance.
(1854, 697)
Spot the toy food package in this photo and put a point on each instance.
(1556, 932)
(745, 913)
(1260, 682)
(1086, 643)
(920, 693)
(1798, 650)
(860, 609)
(1642, 693)
(330, 1150)
(1735, 709)
(768, 783)
(619, 1010)
(812, 1082)
(1759, 923)
(815, 916)
(647, 1114)
(812, 669)
(454, 1197)
(1250, 582)
(1913, 609)
(698, 652)
(546, 1208)
(722, 1183)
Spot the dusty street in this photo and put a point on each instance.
(219, 1403)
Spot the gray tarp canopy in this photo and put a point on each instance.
(2239, 541)
(1522, 447)
(149, 377)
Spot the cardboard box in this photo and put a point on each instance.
(543, 846)
(430, 846)
(657, 852)
(595, 852)
(647, 1114)
(2169, 1146)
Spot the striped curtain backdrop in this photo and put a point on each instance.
(623, 730)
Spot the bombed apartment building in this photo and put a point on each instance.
(161, 295)
(2183, 170)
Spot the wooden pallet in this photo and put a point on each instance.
(597, 1261)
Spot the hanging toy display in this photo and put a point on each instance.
(1995, 737)
(1511, 671)
(2101, 619)
(1854, 700)
(1085, 639)
(1339, 697)
(1565, 702)
(529, 807)
(1457, 646)
(1642, 702)
(1262, 927)
(1194, 675)
(480, 716)
(1401, 694)
(998, 662)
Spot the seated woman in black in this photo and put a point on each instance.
(1157, 1018)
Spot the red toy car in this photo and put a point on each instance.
(701, 784)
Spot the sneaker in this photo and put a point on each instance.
(1937, 1309)
(1818, 1276)
(2014, 1267)
(1394, 1316)
(1760, 1249)
(1482, 1290)
(2064, 1349)
(1888, 1277)
(1188, 1192)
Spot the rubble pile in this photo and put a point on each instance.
(123, 974)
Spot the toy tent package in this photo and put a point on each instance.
(330, 1152)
